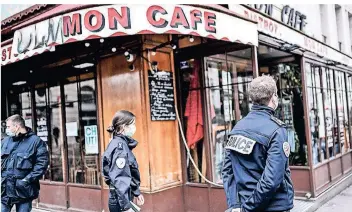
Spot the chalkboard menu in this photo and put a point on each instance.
(161, 93)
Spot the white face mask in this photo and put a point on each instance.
(275, 101)
(10, 133)
(130, 130)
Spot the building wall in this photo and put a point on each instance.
(331, 20)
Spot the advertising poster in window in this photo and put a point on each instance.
(91, 139)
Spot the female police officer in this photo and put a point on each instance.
(120, 167)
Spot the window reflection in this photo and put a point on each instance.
(227, 81)
(56, 138)
(329, 122)
(290, 109)
(192, 106)
(81, 113)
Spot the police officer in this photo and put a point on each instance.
(120, 167)
(258, 150)
(24, 160)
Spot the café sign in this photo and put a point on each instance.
(287, 15)
(122, 20)
(280, 31)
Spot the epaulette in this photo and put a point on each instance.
(277, 121)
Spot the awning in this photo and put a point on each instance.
(121, 20)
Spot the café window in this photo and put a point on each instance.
(81, 120)
(285, 69)
(349, 105)
(64, 116)
(65, 112)
(327, 92)
(213, 97)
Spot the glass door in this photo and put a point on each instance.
(81, 120)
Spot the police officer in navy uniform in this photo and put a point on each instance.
(120, 167)
(257, 149)
(24, 161)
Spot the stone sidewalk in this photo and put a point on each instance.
(335, 198)
(338, 199)
(340, 203)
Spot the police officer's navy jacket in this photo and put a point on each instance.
(23, 157)
(259, 151)
(229, 180)
(120, 170)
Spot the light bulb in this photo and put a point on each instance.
(191, 39)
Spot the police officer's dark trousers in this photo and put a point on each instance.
(20, 207)
(114, 205)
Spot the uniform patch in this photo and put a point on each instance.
(286, 147)
(240, 144)
(120, 163)
(277, 121)
(119, 146)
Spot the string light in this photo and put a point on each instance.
(129, 56)
(101, 40)
(173, 45)
(113, 49)
(131, 67)
(87, 44)
(191, 39)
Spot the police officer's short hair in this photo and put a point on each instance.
(16, 119)
(261, 89)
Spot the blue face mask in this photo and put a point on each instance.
(10, 133)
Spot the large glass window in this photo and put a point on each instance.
(342, 111)
(328, 111)
(54, 124)
(215, 98)
(81, 112)
(286, 71)
(190, 76)
(65, 118)
(349, 105)
(315, 89)
(227, 85)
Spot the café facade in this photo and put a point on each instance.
(184, 71)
